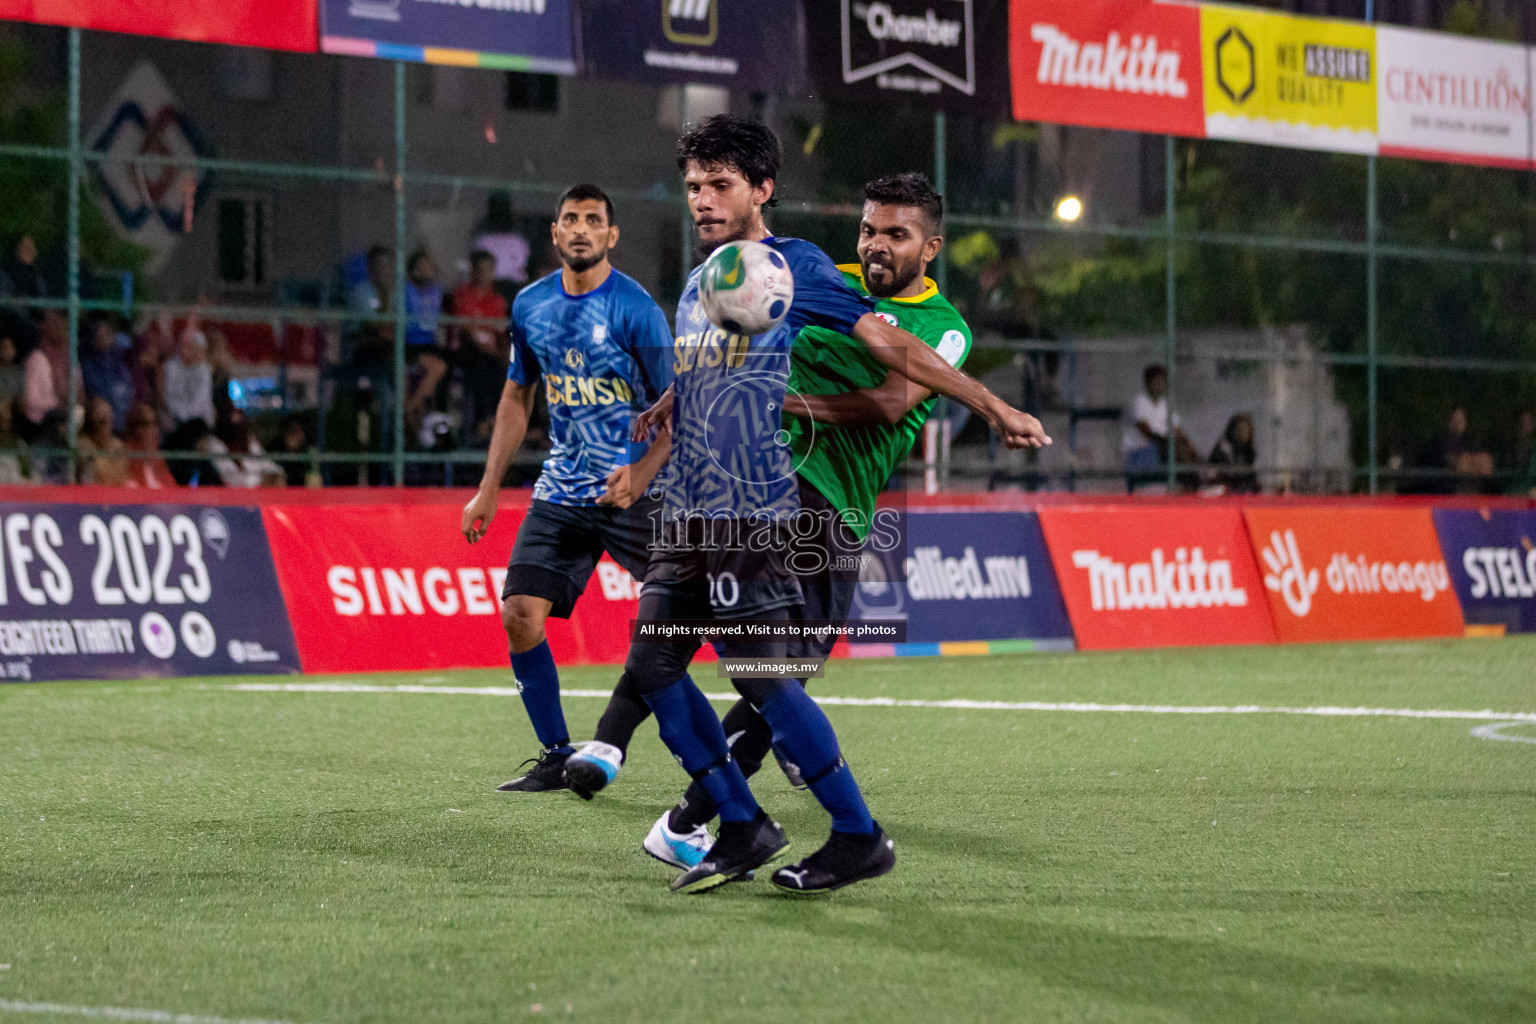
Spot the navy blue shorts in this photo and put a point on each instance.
(558, 548)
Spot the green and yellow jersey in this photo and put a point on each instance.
(849, 465)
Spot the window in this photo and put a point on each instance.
(245, 240)
(533, 92)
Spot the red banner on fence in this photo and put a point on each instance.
(285, 25)
(1130, 64)
(383, 587)
(1157, 577)
(1353, 573)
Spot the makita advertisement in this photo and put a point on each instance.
(112, 592)
(945, 54)
(963, 576)
(1157, 577)
(1131, 65)
(1353, 573)
(1491, 557)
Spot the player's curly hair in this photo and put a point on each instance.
(909, 189)
(744, 144)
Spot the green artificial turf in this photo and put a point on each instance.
(317, 857)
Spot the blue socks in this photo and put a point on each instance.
(691, 731)
(803, 734)
(538, 682)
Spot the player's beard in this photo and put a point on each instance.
(578, 264)
(736, 228)
(900, 277)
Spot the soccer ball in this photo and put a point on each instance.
(746, 288)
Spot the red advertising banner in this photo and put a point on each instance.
(1353, 573)
(1129, 64)
(1157, 576)
(280, 25)
(384, 587)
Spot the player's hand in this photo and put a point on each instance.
(619, 493)
(478, 515)
(1019, 429)
(658, 415)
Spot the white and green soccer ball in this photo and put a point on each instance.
(746, 288)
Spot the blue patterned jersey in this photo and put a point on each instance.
(605, 357)
(730, 452)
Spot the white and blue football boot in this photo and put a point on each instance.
(592, 767)
(681, 850)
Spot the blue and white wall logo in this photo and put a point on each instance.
(150, 204)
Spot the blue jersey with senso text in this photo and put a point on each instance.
(605, 356)
(730, 452)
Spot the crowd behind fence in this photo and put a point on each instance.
(1385, 313)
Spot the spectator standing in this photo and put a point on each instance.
(15, 460)
(12, 377)
(21, 278)
(293, 439)
(483, 345)
(105, 373)
(1233, 458)
(1523, 455)
(1454, 463)
(46, 382)
(187, 382)
(423, 308)
(373, 333)
(221, 368)
(146, 468)
(103, 457)
(146, 362)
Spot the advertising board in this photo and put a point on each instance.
(276, 26)
(1308, 83)
(513, 35)
(1353, 573)
(1128, 64)
(115, 592)
(386, 587)
(1491, 556)
(959, 576)
(756, 47)
(1443, 97)
(1157, 576)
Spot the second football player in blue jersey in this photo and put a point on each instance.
(601, 349)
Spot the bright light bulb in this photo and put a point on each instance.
(1069, 209)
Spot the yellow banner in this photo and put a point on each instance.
(1284, 80)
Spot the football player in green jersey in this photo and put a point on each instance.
(851, 425)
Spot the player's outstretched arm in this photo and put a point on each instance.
(512, 414)
(904, 353)
(880, 406)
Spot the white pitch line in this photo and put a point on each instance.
(956, 704)
(122, 1013)
(1494, 732)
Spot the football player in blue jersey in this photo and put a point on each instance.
(602, 348)
(729, 514)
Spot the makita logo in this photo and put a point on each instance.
(1188, 581)
(1111, 66)
(932, 577)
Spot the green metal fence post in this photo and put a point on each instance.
(1371, 326)
(941, 182)
(1170, 287)
(399, 290)
(73, 258)
(687, 219)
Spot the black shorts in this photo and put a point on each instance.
(721, 568)
(833, 577)
(558, 547)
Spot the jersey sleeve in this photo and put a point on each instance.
(822, 297)
(952, 340)
(651, 339)
(524, 366)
